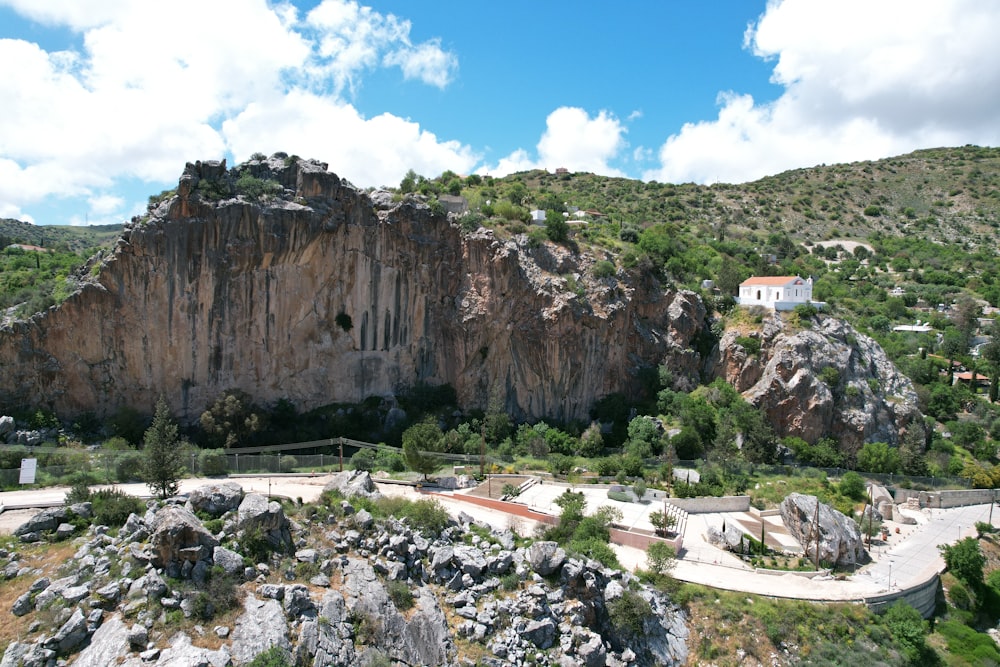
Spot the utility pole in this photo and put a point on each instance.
(817, 533)
(871, 514)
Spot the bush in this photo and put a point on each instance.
(213, 462)
(363, 459)
(288, 463)
(272, 657)
(750, 344)
(112, 507)
(629, 612)
(400, 594)
(128, 467)
(852, 485)
(391, 461)
(604, 269)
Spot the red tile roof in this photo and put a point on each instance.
(770, 280)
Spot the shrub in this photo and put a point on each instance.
(629, 612)
(288, 463)
(272, 657)
(620, 496)
(400, 594)
(79, 488)
(604, 269)
(128, 467)
(388, 460)
(852, 485)
(750, 344)
(363, 459)
(112, 507)
(213, 462)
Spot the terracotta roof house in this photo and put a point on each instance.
(777, 292)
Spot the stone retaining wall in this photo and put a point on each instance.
(921, 597)
(947, 499)
(710, 505)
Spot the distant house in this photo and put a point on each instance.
(30, 248)
(777, 292)
(538, 217)
(919, 327)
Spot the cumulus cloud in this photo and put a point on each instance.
(367, 151)
(574, 140)
(353, 39)
(152, 87)
(861, 80)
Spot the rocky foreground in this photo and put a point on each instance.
(338, 588)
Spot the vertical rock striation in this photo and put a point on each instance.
(322, 294)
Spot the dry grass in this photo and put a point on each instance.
(47, 557)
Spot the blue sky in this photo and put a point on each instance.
(105, 100)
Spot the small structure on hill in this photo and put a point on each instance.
(777, 292)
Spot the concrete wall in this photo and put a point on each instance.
(947, 499)
(710, 505)
(642, 541)
(921, 597)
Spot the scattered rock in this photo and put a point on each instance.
(351, 483)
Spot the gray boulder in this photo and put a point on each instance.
(70, 636)
(7, 427)
(327, 642)
(230, 561)
(215, 499)
(731, 538)
(420, 638)
(45, 520)
(545, 557)
(107, 645)
(352, 483)
(840, 540)
(178, 537)
(257, 514)
(260, 626)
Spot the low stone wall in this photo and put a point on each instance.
(710, 505)
(947, 499)
(642, 541)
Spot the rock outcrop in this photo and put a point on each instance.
(321, 293)
(862, 398)
(840, 540)
(384, 593)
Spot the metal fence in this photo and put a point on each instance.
(888, 479)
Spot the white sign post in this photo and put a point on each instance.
(28, 467)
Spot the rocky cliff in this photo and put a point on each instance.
(820, 378)
(319, 293)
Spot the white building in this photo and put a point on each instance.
(538, 217)
(777, 292)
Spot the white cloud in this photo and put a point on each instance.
(105, 204)
(155, 83)
(353, 39)
(375, 151)
(861, 80)
(574, 140)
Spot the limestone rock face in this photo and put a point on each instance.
(352, 483)
(319, 296)
(863, 399)
(840, 540)
(215, 499)
(178, 537)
